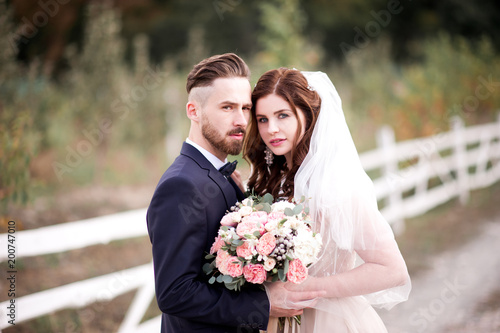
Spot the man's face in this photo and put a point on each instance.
(225, 114)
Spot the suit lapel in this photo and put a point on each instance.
(229, 191)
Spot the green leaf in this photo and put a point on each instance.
(289, 212)
(219, 278)
(207, 268)
(281, 275)
(211, 280)
(268, 198)
(209, 256)
(256, 233)
(237, 242)
(285, 266)
(297, 209)
(227, 278)
(225, 228)
(266, 207)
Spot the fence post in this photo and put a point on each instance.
(460, 152)
(387, 143)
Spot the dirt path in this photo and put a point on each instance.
(446, 297)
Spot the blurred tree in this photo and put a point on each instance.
(281, 38)
(18, 137)
(236, 25)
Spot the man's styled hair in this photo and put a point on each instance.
(225, 65)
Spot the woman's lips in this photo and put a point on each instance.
(276, 142)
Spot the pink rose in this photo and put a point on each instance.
(297, 272)
(221, 261)
(234, 267)
(257, 217)
(275, 216)
(255, 273)
(244, 250)
(266, 244)
(228, 221)
(218, 243)
(249, 227)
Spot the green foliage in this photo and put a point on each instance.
(19, 140)
(454, 78)
(101, 121)
(282, 40)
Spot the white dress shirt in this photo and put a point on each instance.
(208, 155)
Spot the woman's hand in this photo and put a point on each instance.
(310, 284)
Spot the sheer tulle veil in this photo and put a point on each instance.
(340, 195)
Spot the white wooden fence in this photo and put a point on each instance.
(413, 177)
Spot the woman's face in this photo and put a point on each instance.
(278, 125)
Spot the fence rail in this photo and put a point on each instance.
(410, 177)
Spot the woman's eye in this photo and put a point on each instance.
(262, 120)
(282, 115)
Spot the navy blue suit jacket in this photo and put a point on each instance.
(183, 219)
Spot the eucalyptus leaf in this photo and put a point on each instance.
(219, 278)
(211, 280)
(286, 265)
(266, 207)
(238, 242)
(256, 233)
(281, 274)
(289, 212)
(209, 256)
(207, 268)
(225, 228)
(268, 198)
(297, 209)
(227, 278)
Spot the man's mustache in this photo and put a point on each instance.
(237, 131)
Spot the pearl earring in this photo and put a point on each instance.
(269, 156)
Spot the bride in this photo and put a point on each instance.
(299, 145)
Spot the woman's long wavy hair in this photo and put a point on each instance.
(292, 86)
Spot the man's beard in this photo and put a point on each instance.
(221, 143)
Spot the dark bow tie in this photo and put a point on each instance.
(228, 168)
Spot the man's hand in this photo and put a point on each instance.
(286, 303)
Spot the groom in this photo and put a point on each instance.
(192, 196)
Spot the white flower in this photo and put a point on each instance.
(271, 225)
(228, 235)
(247, 202)
(236, 216)
(269, 264)
(280, 206)
(245, 210)
(306, 246)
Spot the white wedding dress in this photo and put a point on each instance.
(343, 205)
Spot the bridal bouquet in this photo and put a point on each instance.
(261, 240)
